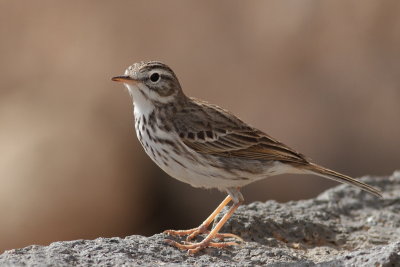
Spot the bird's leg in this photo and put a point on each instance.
(196, 247)
(192, 233)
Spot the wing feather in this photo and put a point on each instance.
(241, 146)
(228, 136)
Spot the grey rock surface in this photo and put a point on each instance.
(341, 227)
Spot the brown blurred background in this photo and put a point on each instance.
(321, 76)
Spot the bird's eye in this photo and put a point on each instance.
(155, 77)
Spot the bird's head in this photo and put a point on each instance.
(151, 83)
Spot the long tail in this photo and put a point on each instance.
(324, 172)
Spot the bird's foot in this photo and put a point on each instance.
(193, 248)
(192, 233)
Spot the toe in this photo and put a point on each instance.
(193, 235)
(179, 232)
(222, 244)
(222, 236)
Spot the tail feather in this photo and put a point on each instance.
(327, 173)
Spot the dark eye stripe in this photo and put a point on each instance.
(167, 77)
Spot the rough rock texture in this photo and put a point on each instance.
(341, 227)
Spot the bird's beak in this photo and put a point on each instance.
(124, 79)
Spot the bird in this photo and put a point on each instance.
(208, 147)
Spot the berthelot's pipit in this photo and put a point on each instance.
(206, 146)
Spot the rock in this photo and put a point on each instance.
(341, 227)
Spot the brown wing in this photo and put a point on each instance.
(245, 145)
(212, 130)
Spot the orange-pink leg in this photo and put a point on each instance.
(196, 247)
(192, 233)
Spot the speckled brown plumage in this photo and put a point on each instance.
(207, 146)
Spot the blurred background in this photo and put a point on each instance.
(321, 76)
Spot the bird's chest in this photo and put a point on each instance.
(160, 144)
(146, 132)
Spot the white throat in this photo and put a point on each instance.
(142, 105)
